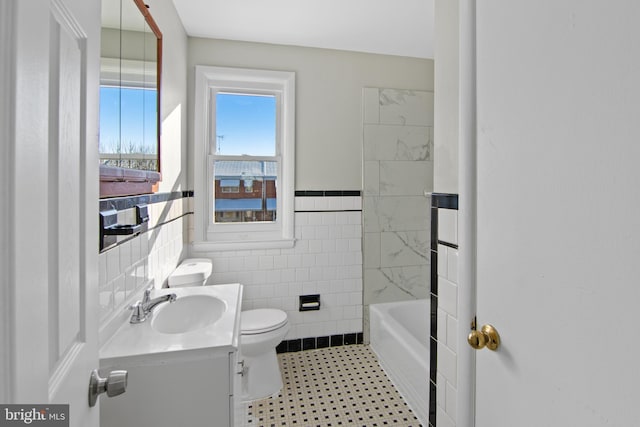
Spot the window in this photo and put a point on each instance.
(227, 185)
(127, 141)
(244, 128)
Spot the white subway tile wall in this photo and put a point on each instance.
(448, 226)
(127, 268)
(447, 378)
(326, 260)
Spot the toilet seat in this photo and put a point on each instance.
(261, 320)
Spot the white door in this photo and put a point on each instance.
(558, 220)
(50, 343)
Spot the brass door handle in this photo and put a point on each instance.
(487, 336)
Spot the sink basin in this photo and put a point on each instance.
(188, 313)
(203, 320)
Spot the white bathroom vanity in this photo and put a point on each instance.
(184, 375)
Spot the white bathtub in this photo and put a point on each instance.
(399, 335)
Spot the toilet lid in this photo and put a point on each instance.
(261, 320)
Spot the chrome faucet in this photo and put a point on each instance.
(142, 309)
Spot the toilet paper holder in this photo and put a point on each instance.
(309, 302)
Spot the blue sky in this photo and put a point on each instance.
(135, 102)
(245, 124)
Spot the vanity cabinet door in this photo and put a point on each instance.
(169, 393)
(236, 371)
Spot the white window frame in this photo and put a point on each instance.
(211, 236)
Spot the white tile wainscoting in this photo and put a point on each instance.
(127, 268)
(447, 335)
(444, 310)
(326, 260)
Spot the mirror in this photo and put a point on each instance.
(130, 70)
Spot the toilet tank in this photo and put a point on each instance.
(191, 272)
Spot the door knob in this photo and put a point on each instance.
(487, 336)
(113, 385)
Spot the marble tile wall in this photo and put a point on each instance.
(398, 176)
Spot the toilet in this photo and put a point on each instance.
(191, 272)
(261, 330)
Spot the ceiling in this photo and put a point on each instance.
(392, 27)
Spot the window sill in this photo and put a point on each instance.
(116, 182)
(241, 246)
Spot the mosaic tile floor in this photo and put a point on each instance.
(335, 386)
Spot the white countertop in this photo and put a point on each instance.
(137, 344)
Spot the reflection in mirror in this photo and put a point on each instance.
(129, 83)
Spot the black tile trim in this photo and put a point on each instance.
(337, 340)
(451, 245)
(433, 366)
(294, 345)
(434, 229)
(444, 201)
(129, 202)
(333, 210)
(434, 275)
(432, 404)
(328, 193)
(350, 339)
(308, 344)
(323, 342)
(433, 308)
(434, 317)
(312, 343)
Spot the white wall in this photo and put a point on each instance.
(446, 80)
(173, 96)
(328, 100)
